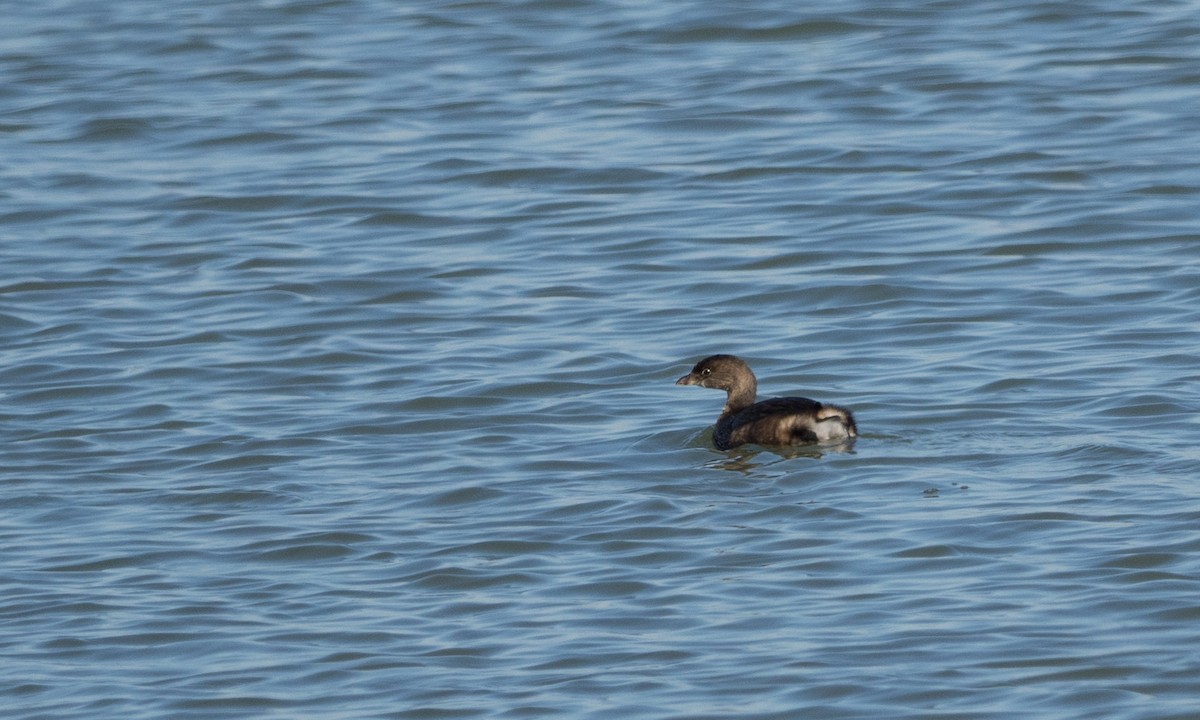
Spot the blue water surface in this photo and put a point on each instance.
(338, 339)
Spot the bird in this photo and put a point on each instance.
(778, 421)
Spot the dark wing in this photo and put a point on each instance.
(778, 421)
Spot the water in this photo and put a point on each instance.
(339, 340)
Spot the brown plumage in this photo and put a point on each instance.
(778, 421)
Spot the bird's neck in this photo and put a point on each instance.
(740, 397)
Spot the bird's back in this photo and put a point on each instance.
(784, 421)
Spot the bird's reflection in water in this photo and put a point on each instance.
(747, 458)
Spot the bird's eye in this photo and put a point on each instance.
(706, 371)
